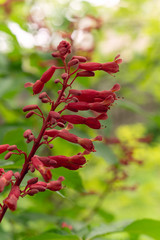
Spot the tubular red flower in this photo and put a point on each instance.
(37, 87)
(90, 95)
(91, 66)
(65, 134)
(76, 106)
(112, 67)
(86, 144)
(5, 180)
(45, 172)
(40, 186)
(11, 200)
(92, 123)
(46, 76)
(76, 119)
(55, 185)
(78, 159)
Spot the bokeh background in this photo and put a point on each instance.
(120, 182)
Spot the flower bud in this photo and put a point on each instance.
(31, 138)
(12, 147)
(27, 133)
(32, 192)
(45, 137)
(29, 114)
(60, 124)
(57, 81)
(32, 181)
(64, 76)
(54, 114)
(50, 145)
(42, 95)
(8, 155)
(80, 58)
(64, 48)
(44, 100)
(85, 74)
(30, 107)
(55, 54)
(3, 148)
(48, 74)
(73, 62)
(28, 84)
(17, 175)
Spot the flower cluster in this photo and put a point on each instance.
(97, 102)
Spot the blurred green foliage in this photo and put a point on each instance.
(29, 32)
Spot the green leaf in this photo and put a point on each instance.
(9, 165)
(72, 178)
(104, 229)
(147, 227)
(15, 137)
(107, 216)
(53, 236)
(5, 235)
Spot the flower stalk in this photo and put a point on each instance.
(98, 102)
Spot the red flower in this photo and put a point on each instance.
(46, 76)
(91, 66)
(65, 134)
(11, 200)
(39, 186)
(76, 119)
(45, 172)
(90, 95)
(55, 185)
(112, 67)
(5, 180)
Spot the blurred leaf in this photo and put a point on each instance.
(51, 236)
(5, 235)
(105, 229)
(72, 178)
(9, 165)
(130, 106)
(147, 227)
(107, 216)
(15, 137)
(102, 150)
